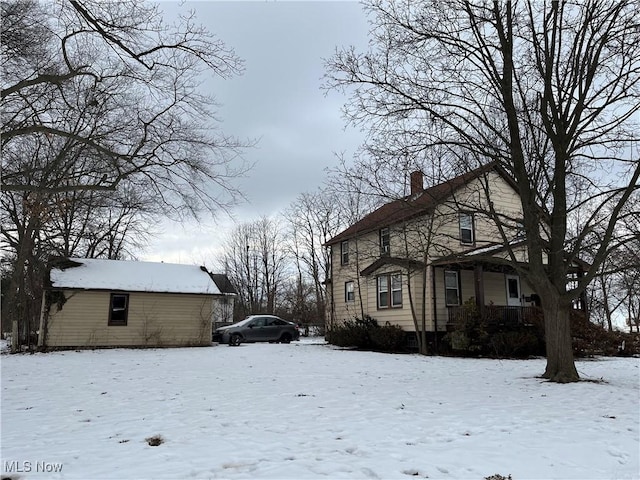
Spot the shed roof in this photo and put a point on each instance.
(132, 276)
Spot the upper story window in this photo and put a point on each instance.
(385, 241)
(389, 291)
(344, 252)
(118, 309)
(349, 295)
(451, 287)
(467, 234)
(520, 231)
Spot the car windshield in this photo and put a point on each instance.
(243, 322)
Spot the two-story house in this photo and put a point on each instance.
(413, 262)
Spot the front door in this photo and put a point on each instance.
(513, 291)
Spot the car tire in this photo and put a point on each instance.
(235, 340)
(285, 338)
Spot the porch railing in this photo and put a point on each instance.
(494, 315)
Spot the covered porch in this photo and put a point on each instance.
(495, 316)
(491, 289)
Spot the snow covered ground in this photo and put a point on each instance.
(308, 410)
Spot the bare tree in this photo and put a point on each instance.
(313, 218)
(550, 90)
(256, 262)
(113, 84)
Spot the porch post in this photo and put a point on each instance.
(478, 278)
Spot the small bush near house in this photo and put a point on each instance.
(480, 333)
(353, 333)
(590, 339)
(388, 338)
(366, 334)
(515, 344)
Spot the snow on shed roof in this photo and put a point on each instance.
(125, 275)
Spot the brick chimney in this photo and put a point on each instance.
(417, 182)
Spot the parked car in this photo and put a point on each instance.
(257, 328)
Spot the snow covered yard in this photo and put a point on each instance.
(308, 410)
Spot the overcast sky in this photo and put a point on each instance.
(278, 101)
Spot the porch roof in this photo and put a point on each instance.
(397, 261)
(489, 257)
(484, 256)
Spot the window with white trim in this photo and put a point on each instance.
(451, 288)
(344, 252)
(349, 295)
(389, 290)
(467, 234)
(396, 290)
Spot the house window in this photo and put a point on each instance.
(383, 292)
(390, 291)
(344, 252)
(396, 290)
(118, 309)
(466, 228)
(451, 287)
(349, 296)
(384, 241)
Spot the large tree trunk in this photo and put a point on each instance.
(557, 326)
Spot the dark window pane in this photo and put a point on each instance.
(118, 309)
(384, 299)
(397, 298)
(513, 288)
(452, 297)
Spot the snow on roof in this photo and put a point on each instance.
(100, 274)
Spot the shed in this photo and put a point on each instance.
(92, 303)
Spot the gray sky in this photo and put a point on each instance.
(278, 101)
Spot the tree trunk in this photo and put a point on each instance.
(560, 365)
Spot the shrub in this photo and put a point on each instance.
(353, 333)
(590, 339)
(366, 334)
(515, 344)
(485, 333)
(389, 338)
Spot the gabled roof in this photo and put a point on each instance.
(396, 261)
(415, 205)
(131, 276)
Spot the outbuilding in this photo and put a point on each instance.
(94, 303)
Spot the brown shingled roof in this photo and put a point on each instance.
(413, 205)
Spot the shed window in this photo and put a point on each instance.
(118, 309)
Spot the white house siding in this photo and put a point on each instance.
(397, 315)
(154, 319)
(346, 273)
